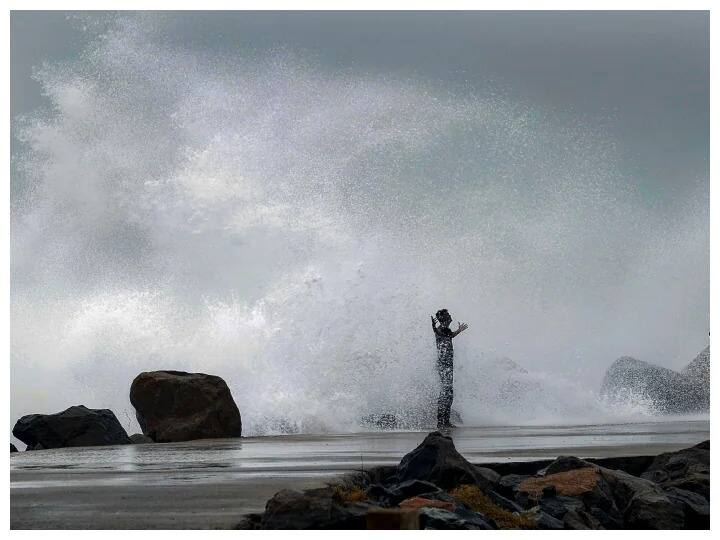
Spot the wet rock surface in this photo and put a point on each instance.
(175, 406)
(139, 438)
(75, 426)
(434, 487)
(670, 392)
(437, 461)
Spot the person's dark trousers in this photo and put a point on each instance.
(446, 396)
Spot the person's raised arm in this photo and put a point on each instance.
(461, 328)
(433, 320)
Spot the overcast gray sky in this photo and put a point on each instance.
(205, 177)
(641, 76)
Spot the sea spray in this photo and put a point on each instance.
(291, 229)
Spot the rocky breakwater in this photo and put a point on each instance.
(434, 487)
(174, 406)
(667, 391)
(75, 426)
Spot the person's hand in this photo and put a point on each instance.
(434, 320)
(462, 327)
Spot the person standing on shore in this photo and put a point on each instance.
(443, 340)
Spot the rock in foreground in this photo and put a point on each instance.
(434, 487)
(174, 406)
(75, 426)
(436, 460)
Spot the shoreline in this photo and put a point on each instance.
(212, 483)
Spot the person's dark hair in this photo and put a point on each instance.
(443, 316)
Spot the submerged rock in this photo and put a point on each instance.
(668, 391)
(75, 426)
(437, 461)
(173, 406)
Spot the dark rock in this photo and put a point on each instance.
(652, 510)
(608, 518)
(587, 483)
(289, 509)
(439, 519)
(518, 468)
(508, 485)
(542, 520)
(634, 465)
(392, 519)
(381, 495)
(705, 445)
(687, 469)
(176, 406)
(695, 507)
(643, 504)
(383, 474)
(562, 464)
(249, 522)
(12, 448)
(696, 483)
(669, 391)
(504, 503)
(313, 509)
(581, 520)
(350, 516)
(139, 438)
(75, 426)
(437, 461)
(411, 488)
(548, 491)
(558, 506)
(489, 475)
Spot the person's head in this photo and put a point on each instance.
(443, 317)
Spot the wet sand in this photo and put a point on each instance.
(212, 483)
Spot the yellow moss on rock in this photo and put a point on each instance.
(569, 483)
(477, 501)
(350, 494)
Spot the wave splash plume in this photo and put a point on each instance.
(291, 229)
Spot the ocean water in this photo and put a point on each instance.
(291, 229)
(212, 483)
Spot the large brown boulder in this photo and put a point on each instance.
(75, 426)
(173, 406)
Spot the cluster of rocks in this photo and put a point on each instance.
(667, 391)
(434, 487)
(171, 406)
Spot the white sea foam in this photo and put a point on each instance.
(292, 230)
